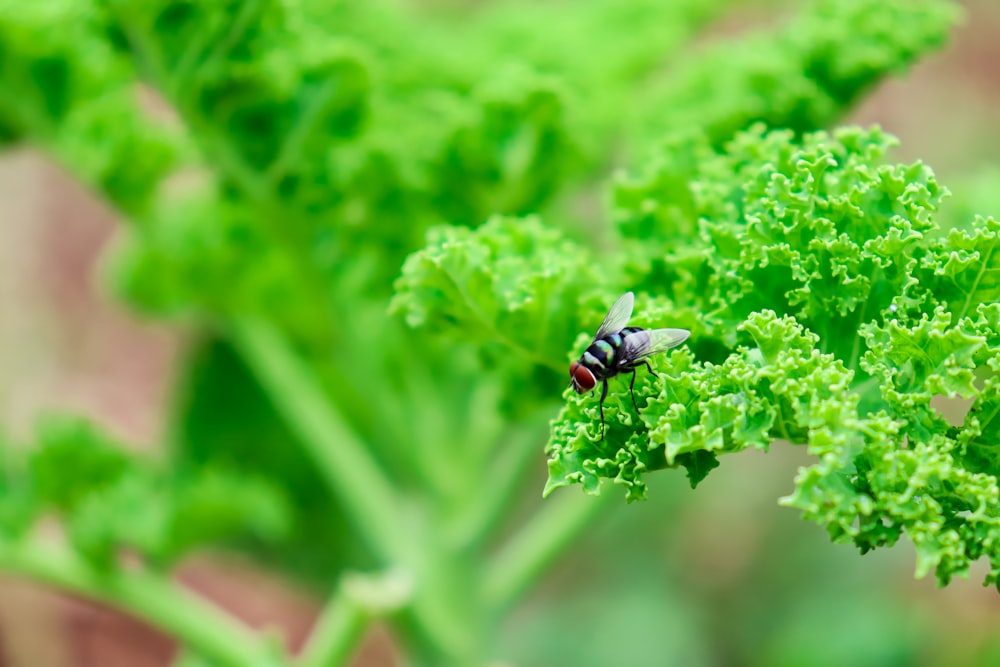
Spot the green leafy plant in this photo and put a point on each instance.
(376, 223)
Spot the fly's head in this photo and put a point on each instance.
(581, 378)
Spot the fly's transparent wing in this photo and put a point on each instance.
(643, 344)
(618, 316)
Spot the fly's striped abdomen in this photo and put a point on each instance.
(602, 356)
(599, 358)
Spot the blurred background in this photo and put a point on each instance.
(726, 578)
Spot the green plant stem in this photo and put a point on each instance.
(358, 600)
(521, 561)
(507, 474)
(211, 633)
(337, 633)
(352, 474)
(356, 479)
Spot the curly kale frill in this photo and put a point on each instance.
(829, 309)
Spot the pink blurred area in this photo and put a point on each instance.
(945, 111)
(40, 627)
(64, 344)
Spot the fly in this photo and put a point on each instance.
(617, 348)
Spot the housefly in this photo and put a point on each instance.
(617, 348)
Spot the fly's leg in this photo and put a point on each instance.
(631, 391)
(632, 383)
(604, 394)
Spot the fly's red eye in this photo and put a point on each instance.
(583, 378)
(572, 368)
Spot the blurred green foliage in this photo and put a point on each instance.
(377, 219)
(111, 500)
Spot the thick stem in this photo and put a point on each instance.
(507, 470)
(210, 632)
(352, 474)
(527, 554)
(359, 484)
